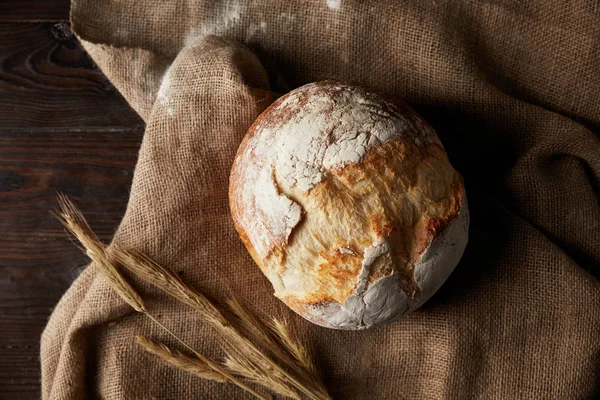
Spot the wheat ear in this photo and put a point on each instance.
(259, 374)
(74, 221)
(277, 339)
(171, 283)
(179, 360)
(296, 349)
(239, 346)
(168, 281)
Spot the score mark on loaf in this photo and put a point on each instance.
(348, 204)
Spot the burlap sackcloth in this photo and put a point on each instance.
(512, 89)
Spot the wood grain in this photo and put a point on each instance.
(47, 80)
(63, 128)
(94, 168)
(34, 10)
(32, 274)
(18, 371)
(37, 260)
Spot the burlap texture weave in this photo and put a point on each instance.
(513, 89)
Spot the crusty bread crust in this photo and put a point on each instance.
(348, 204)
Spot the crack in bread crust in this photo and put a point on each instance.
(383, 196)
(346, 168)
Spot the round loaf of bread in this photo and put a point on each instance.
(348, 204)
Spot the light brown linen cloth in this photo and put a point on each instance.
(513, 90)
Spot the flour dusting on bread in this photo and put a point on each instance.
(348, 204)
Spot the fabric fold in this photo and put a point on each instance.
(511, 88)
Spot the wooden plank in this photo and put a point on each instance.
(34, 10)
(63, 128)
(37, 261)
(33, 276)
(93, 168)
(47, 80)
(19, 372)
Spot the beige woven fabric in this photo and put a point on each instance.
(512, 89)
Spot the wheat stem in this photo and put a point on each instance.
(258, 374)
(251, 362)
(180, 360)
(216, 367)
(74, 221)
(171, 283)
(276, 337)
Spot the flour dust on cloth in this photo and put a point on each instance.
(511, 89)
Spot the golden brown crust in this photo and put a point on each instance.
(409, 235)
(403, 190)
(394, 159)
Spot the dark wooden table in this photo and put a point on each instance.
(63, 128)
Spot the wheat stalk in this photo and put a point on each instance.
(258, 374)
(180, 360)
(74, 221)
(277, 338)
(168, 281)
(244, 358)
(295, 348)
(171, 283)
